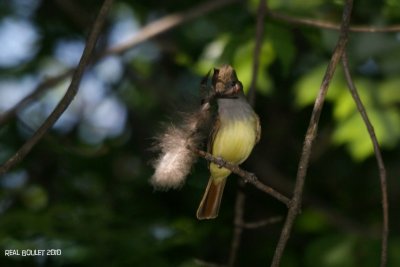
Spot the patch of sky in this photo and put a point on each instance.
(125, 28)
(97, 112)
(18, 40)
(107, 119)
(369, 67)
(13, 90)
(109, 69)
(125, 25)
(14, 180)
(69, 52)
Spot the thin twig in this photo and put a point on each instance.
(69, 95)
(378, 155)
(246, 176)
(262, 223)
(310, 136)
(329, 25)
(149, 31)
(237, 224)
(207, 264)
(257, 49)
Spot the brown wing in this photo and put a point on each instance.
(258, 130)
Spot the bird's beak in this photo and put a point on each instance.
(232, 92)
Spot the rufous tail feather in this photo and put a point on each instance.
(209, 205)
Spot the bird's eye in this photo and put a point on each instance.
(232, 83)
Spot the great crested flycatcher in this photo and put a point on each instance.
(235, 132)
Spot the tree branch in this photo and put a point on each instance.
(378, 155)
(207, 264)
(328, 25)
(310, 136)
(69, 95)
(262, 223)
(237, 224)
(285, 185)
(167, 23)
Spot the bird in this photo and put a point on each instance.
(235, 131)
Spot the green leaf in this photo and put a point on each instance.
(307, 87)
(311, 221)
(283, 44)
(344, 102)
(331, 251)
(389, 91)
(243, 62)
(34, 197)
(350, 129)
(352, 132)
(211, 55)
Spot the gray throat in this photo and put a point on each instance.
(234, 108)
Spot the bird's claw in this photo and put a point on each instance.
(220, 162)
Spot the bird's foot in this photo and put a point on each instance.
(220, 162)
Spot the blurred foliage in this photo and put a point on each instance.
(84, 188)
(379, 98)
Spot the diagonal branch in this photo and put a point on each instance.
(167, 23)
(246, 176)
(69, 95)
(378, 155)
(296, 201)
(262, 223)
(238, 222)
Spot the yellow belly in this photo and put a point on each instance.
(233, 142)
